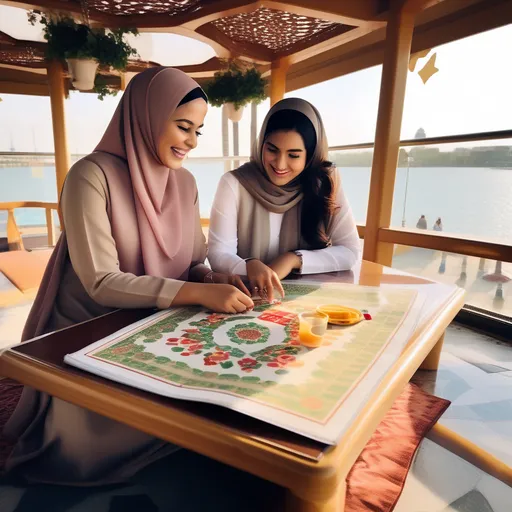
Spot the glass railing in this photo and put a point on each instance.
(466, 183)
(487, 282)
(31, 177)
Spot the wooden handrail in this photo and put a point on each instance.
(447, 242)
(14, 235)
(429, 141)
(11, 205)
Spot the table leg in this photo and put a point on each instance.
(336, 503)
(431, 362)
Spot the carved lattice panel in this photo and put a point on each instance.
(276, 30)
(26, 57)
(141, 7)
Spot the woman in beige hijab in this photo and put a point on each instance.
(284, 211)
(132, 239)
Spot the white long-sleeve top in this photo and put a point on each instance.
(223, 237)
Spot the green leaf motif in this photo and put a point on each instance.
(229, 376)
(162, 360)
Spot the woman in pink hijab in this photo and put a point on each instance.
(132, 239)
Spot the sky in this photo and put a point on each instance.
(470, 93)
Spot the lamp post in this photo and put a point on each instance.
(409, 159)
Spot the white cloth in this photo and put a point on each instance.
(223, 238)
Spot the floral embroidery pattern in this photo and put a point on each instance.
(249, 334)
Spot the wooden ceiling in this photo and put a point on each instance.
(319, 39)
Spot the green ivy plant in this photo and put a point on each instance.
(68, 39)
(236, 85)
(102, 88)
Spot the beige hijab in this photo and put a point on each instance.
(253, 215)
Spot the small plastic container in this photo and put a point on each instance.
(312, 327)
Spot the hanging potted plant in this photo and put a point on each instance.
(83, 48)
(235, 87)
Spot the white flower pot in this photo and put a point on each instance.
(83, 73)
(233, 114)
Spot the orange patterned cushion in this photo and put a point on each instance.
(377, 478)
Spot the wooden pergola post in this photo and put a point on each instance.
(60, 141)
(278, 80)
(389, 122)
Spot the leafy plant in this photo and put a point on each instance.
(70, 40)
(236, 85)
(102, 88)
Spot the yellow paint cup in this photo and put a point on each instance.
(312, 327)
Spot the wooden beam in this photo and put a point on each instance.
(57, 97)
(334, 43)
(20, 88)
(348, 12)
(50, 227)
(278, 80)
(447, 242)
(12, 205)
(14, 239)
(387, 136)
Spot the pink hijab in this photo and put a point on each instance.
(146, 106)
(149, 204)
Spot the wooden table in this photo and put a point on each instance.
(313, 473)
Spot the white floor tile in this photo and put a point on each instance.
(498, 494)
(437, 478)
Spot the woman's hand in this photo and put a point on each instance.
(221, 298)
(284, 264)
(263, 279)
(225, 298)
(235, 280)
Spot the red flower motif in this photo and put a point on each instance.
(247, 370)
(247, 362)
(216, 317)
(184, 354)
(197, 346)
(219, 356)
(186, 341)
(172, 341)
(209, 362)
(273, 365)
(285, 359)
(195, 330)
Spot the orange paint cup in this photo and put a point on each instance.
(312, 327)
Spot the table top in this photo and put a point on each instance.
(272, 453)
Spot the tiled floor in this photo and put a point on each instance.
(442, 482)
(475, 374)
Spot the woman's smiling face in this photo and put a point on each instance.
(181, 132)
(283, 156)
